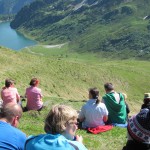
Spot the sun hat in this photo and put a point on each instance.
(146, 95)
(139, 126)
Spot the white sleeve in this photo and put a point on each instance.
(82, 113)
(105, 111)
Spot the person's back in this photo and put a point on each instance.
(9, 93)
(34, 96)
(115, 104)
(11, 138)
(92, 114)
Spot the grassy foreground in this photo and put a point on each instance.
(65, 77)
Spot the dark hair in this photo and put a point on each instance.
(8, 82)
(108, 86)
(148, 105)
(34, 81)
(95, 94)
(146, 101)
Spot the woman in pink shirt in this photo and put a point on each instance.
(9, 93)
(34, 96)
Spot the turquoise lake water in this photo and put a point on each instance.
(12, 39)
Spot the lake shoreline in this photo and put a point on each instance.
(13, 39)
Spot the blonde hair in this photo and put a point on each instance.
(58, 117)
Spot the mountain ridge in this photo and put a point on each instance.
(97, 25)
(8, 7)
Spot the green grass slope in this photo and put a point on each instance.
(64, 73)
(65, 77)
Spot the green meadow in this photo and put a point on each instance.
(65, 77)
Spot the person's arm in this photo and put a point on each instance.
(17, 96)
(41, 95)
(127, 108)
(81, 116)
(105, 118)
(2, 95)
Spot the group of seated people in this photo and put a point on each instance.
(61, 122)
(9, 94)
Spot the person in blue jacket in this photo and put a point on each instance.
(60, 127)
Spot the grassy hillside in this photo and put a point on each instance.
(65, 77)
(64, 73)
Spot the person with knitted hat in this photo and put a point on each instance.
(139, 131)
(146, 100)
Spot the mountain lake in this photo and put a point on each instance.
(12, 39)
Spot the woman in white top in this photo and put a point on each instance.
(93, 113)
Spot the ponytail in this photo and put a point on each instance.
(95, 94)
(97, 100)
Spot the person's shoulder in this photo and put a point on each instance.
(37, 88)
(104, 96)
(19, 132)
(4, 89)
(102, 104)
(87, 103)
(14, 89)
(28, 88)
(35, 137)
(120, 93)
(77, 144)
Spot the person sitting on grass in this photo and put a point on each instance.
(127, 106)
(34, 96)
(60, 127)
(9, 93)
(11, 138)
(146, 101)
(115, 104)
(138, 131)
(93, 113)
